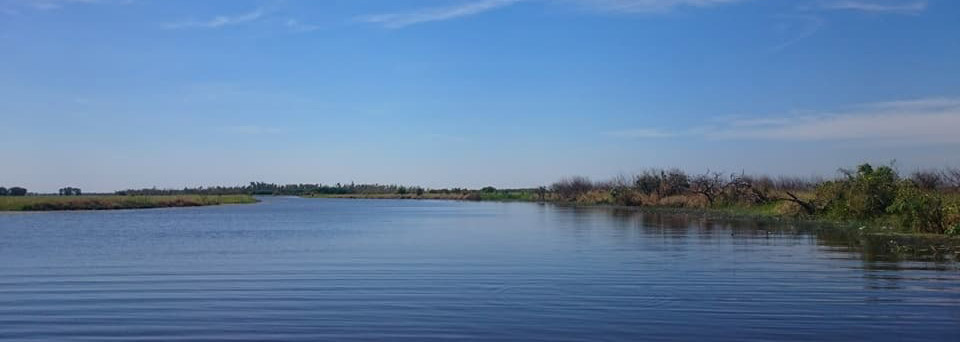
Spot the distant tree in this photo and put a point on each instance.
(70, 191)
(420, 191)
(4, 191)
(402, 190)
(488, 189)
(17, 191)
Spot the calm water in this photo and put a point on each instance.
(301, 269)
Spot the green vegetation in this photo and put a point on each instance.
(52, 203)
(924, 203)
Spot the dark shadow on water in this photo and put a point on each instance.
(876, 251)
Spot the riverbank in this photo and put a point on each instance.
(115, 202)
(876, 237)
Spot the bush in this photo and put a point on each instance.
(954, 230)
(647, 182)
(571, 188)
(710, 185)
(625, 196)
(662, 182)
(865, 193)
(919, 210)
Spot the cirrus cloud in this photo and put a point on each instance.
(926, 120)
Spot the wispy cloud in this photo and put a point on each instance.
(220, 21)
(58, 4)
(297, 26)
(12, 6)
(641, 6)
(796, 28)
(403, 19)
(640, 133)
(929, 120)
(398, 20)
(899, 6)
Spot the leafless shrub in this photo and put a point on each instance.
(951, 177)
(709, 184)
(674, 182)
(570, 188)
(927, 179)
(762, 188)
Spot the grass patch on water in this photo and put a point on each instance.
(113, 202)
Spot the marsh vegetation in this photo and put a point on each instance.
(876, 196)
(112, 202)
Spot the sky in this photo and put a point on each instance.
(114, 94)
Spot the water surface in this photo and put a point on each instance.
(322, 269)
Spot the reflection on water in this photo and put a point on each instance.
(299, 269)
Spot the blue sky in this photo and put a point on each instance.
(112, 94)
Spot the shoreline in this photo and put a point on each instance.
(871, 236)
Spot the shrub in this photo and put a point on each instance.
(738, 189)
(662, 182)
(919, 210)
(709, 185)
(954, 230)
(647, 182)
(761, 189)
(674, 182)
(927, 180)
(569, 189)
(865, 193)
(951, 176)
(625, 196)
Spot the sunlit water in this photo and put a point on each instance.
(312, 269)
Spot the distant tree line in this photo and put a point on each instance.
(261, 188)
(14, 191)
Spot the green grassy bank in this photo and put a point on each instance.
(113, 202)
